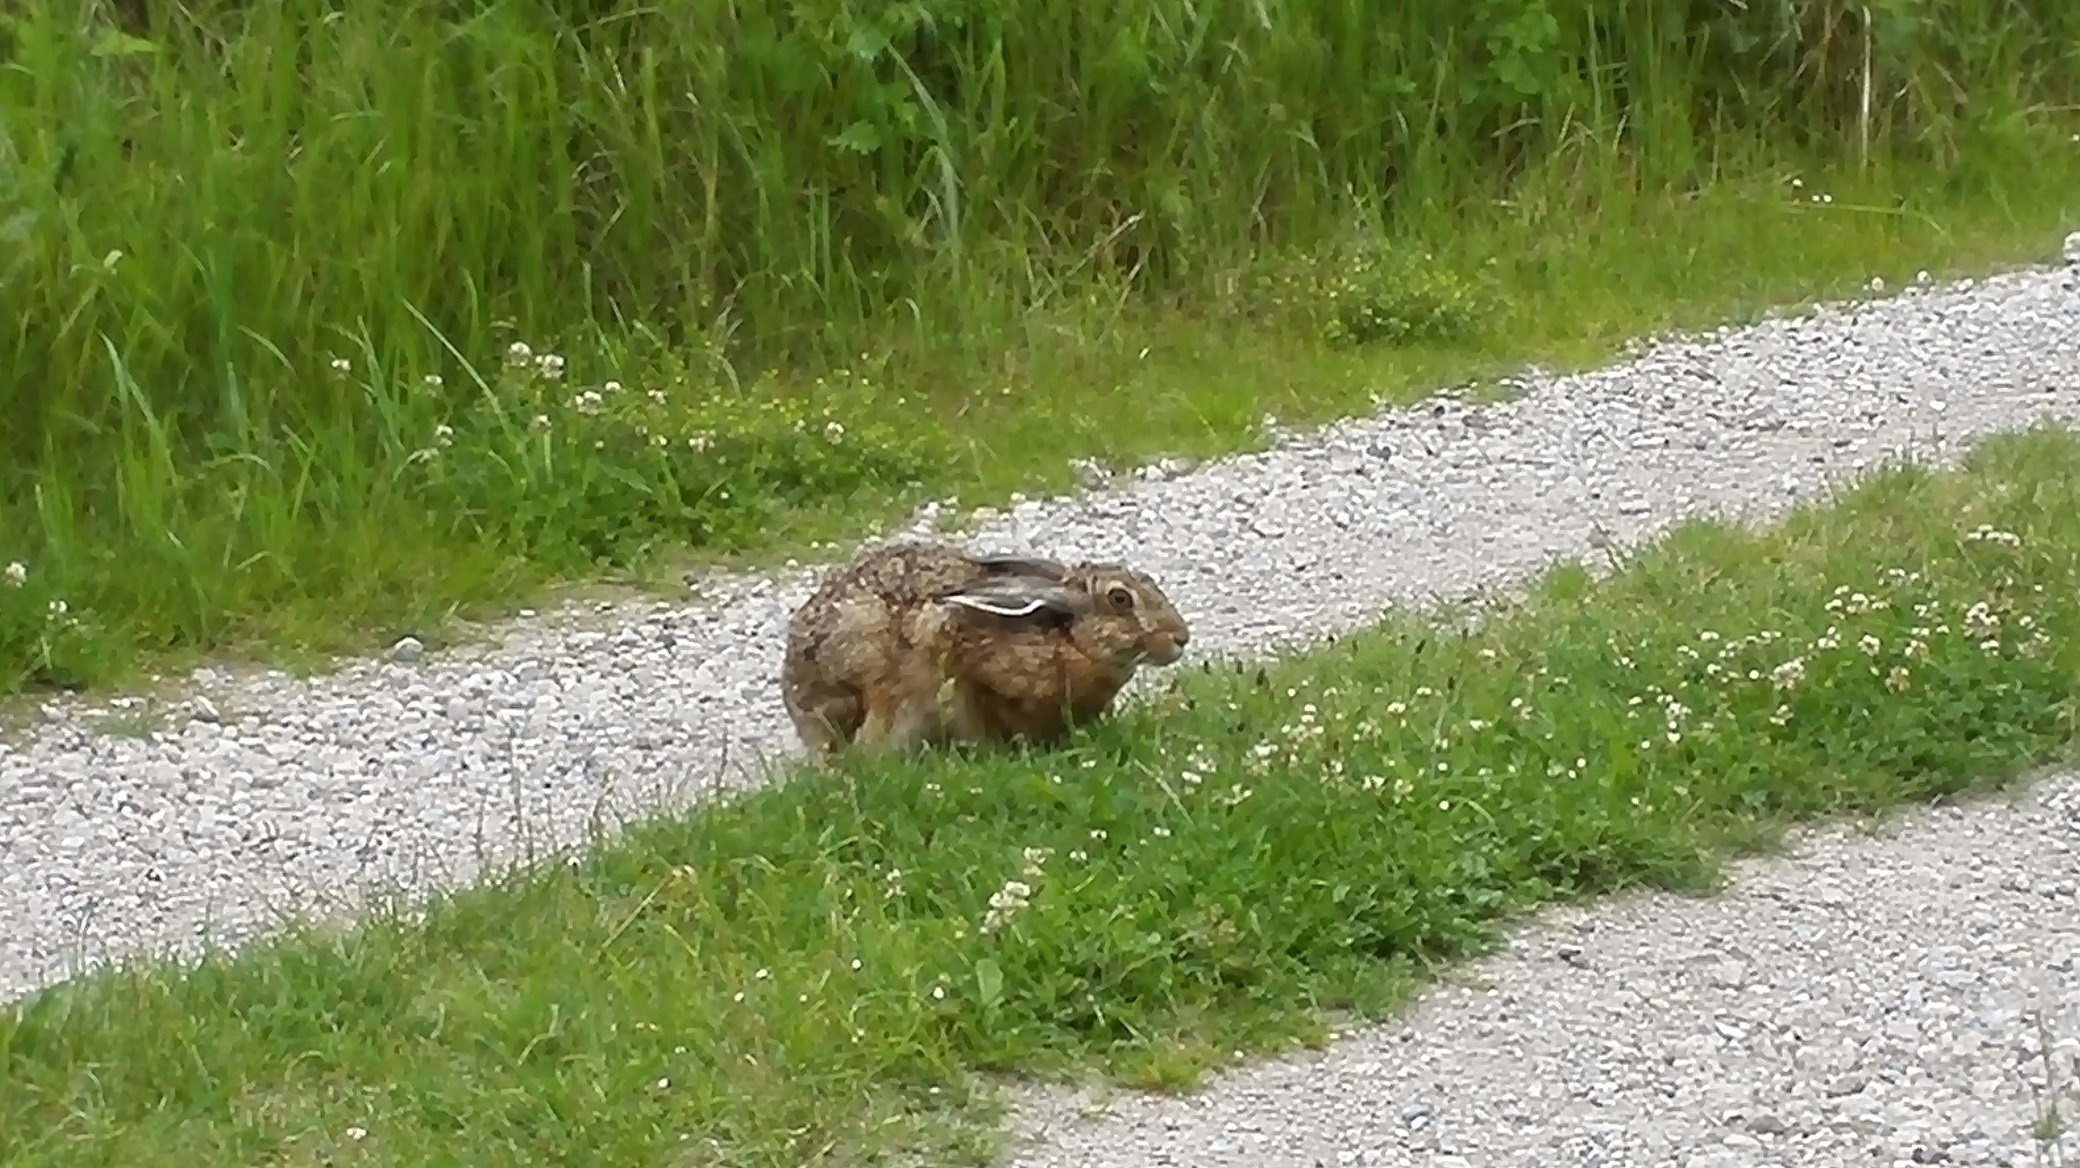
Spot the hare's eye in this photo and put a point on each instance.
(1120, 598)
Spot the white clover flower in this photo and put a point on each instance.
(1004, 903)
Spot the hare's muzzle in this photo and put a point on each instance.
(1165, 646)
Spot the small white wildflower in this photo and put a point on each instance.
(834, 432)
(611, 387)
(550, 365)
(1981, 620)
(444, 435)
(518, 353)
(1869, 644)
(431, 381)
(17, 574)
(1788, 674)
(587, 402)
(1987, 533)
(342, 366)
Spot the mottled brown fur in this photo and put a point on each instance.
(921, 642)
(860, 663)
(1038, 675)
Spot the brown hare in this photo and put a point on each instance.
(919, 642)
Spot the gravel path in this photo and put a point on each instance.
(1860, 1001)
(267, 792)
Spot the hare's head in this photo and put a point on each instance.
(1109, 612)
(1124, 616)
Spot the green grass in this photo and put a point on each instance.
(238, 237)
(812, 975)
(290, 553)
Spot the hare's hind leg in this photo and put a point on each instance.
(903, 712)
(827, 720)
(897, 726)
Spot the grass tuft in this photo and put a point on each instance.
(827, 970)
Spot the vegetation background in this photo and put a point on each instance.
(324, 320)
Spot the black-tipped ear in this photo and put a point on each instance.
(1008, 565)
(1019, 599)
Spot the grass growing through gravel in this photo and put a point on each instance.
(816, 973)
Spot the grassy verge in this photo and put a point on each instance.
(264, 264)
(619, 464)
(819, 972)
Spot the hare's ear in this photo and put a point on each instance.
(1008, 565)
(1020, 600)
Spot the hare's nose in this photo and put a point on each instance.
(1182, 637)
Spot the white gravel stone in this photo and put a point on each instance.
(260, 794)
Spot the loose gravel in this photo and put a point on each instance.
(1902, 1000)
(131, 830)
